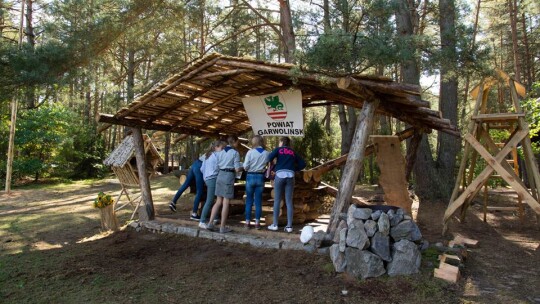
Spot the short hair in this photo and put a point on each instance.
(258, 141)
(286, 141)
(232, 139)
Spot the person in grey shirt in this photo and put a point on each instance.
(228, 161)
(254, 165)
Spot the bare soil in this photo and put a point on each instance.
(52, 251)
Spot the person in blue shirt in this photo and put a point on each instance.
(254, 165)
(287, 163)
(228, 162)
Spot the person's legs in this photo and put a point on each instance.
(224, 213)
(278, 191)
(259, 188)
(185, 185)
(215, 210)
(250, 190)
(199, 181)
(210, 191)
(289, 187)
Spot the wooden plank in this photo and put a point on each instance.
(507, 176)
(475, 185)
(459, 239)
(530, 164)
(354, 161)
(467, 151)
(146, 212)
(498, 117)
(447, 272)
(495, 208)
(392, 165)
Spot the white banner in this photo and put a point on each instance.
(278, 114)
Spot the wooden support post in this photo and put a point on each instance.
(354, 162)
(146, 211)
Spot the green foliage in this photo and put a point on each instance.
(315, 146)
(39, 133)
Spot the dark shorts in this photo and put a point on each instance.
(225, 184)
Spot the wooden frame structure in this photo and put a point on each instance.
(205, 100)
(122, 161)
(479, 143)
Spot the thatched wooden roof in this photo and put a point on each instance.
(205, 98)
(126, 150)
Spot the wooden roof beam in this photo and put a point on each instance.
(147, 98)
(137, 123)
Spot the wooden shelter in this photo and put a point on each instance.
(479, 143)
(205, 100)
(122, 161)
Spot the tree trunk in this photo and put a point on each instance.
(449, 145)
(289, 41)
(30, 91)
(146, 210)
(512, 4)
(528, 71)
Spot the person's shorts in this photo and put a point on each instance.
(225, 184)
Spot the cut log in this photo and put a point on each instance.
(354, 161)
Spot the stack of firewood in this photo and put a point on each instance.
(307, 199)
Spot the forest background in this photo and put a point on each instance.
(65, 61)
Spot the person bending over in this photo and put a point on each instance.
(194, 173)
(228, 161)
(287, 163)
(254, 165)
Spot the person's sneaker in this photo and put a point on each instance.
(210, 227)
(203, 226)
(257, 226)
(225, 230)
(247, 225)
(195, 217)
(273, 227)
(172, 206)
(288, 229)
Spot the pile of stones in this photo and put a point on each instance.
(371, 243)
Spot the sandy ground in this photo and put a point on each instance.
(51, 250)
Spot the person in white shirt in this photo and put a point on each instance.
(254, 165)
(210, 172)
(228, 161)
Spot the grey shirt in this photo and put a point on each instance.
(228, 158)
(255, 160)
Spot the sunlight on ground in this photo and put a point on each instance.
(95, 237)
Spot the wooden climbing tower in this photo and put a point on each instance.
(479, 143)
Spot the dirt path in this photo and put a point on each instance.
(51, 251)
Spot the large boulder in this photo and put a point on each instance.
(380, 245)
(356, 236)
(342, 239)
(384, 224)
(396, 219)
(406, 259)
(338, 258)
(371, 227)
(363, 264)
(407, 230)
(375, 215)
(362, 213)
(350, 214)
(342, 224)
